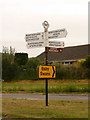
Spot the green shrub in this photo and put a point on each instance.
(21, 58)
(86, 63)
(32, 68)
(9, 71)
(73, 71)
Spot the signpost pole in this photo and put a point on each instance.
(36, 40)
(46, 58)
(46, 25)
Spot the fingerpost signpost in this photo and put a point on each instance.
(36, 40)
(46, 25)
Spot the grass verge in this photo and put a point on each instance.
(38, 86)
(23, 108)
(0, 107)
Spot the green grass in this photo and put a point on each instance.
(0, 107)
(39, 87)
(0, 86)
(21, 108)
(69, 87)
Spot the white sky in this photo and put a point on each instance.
(19, 17)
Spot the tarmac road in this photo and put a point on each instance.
(41, 96)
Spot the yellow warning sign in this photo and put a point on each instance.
(47, 72)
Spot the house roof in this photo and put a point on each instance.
(69, 54)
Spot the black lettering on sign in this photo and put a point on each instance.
(41, 73)
(45, 69)
(46, 74)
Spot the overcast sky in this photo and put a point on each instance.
(19, 17)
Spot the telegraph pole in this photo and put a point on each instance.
(46, 25)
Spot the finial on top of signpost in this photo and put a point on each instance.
(45, 25)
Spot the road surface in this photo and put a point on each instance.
(41, 96)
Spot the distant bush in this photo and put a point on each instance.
(86, 65)
(61, 72)
(17, 66)
(31, 69)
(21, 58)
(73, 71)
(9, 70)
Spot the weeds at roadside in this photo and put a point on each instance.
(54, 87)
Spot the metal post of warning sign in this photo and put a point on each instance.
(46, 25)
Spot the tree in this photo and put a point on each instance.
(9, 68)
(31, 68)
(86, 63)
(21, 58)
(8, 54)
(9, 71)
(33, 63)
